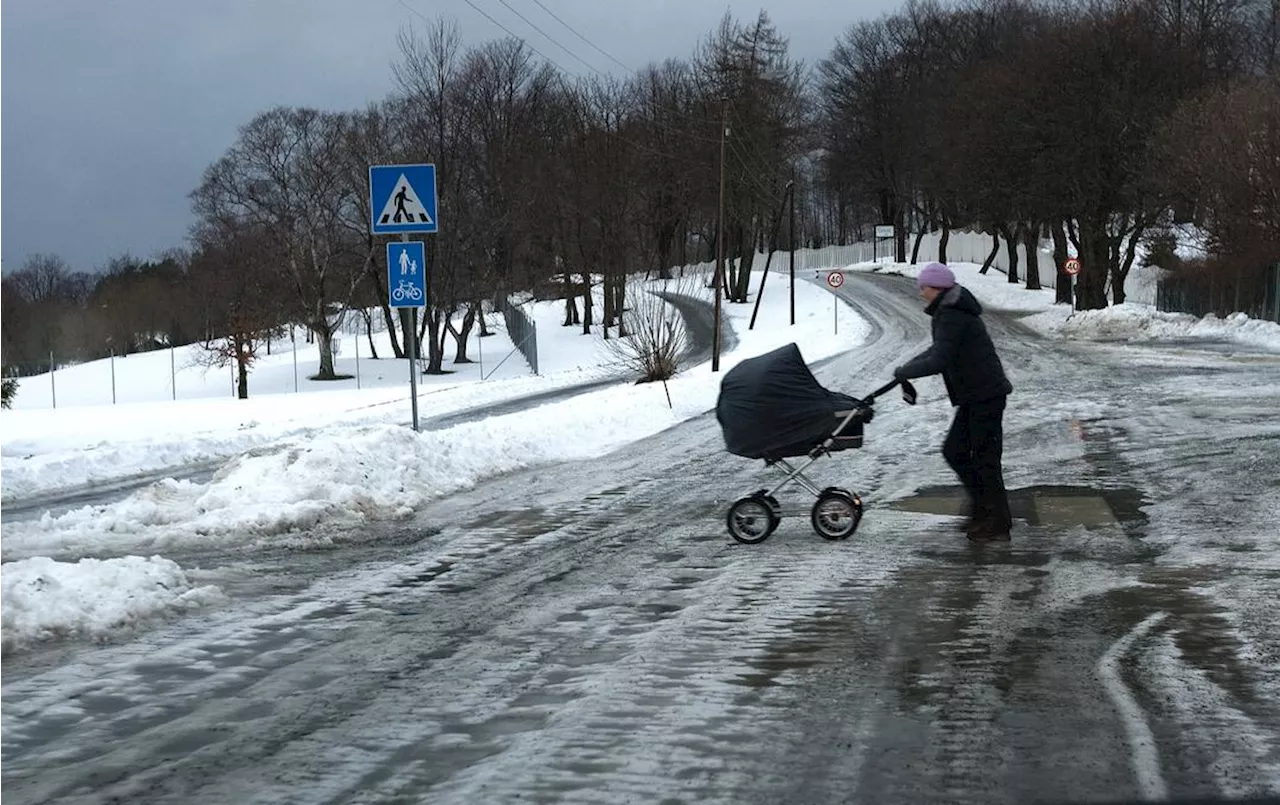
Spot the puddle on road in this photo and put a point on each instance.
(1052, 506)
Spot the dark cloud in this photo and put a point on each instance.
(113, 109)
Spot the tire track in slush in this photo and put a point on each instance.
(304, 748)
(1144, 754)
(590, 634)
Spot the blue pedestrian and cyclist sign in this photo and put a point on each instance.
(402, 198)
(407, 273)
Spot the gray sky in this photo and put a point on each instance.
(113, 108)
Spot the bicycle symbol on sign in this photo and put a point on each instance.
(406, 290)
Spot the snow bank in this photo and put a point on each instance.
(1136, 323)
(1130, 322)
(352, 472)
(43, 599)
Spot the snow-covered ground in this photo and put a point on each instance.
(293, 461)
(335, 454)
(1119, 323)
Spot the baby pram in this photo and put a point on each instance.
(771, 407)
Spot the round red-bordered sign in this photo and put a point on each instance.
(835, 279)
(1072, 266)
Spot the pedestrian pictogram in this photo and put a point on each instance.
(402, 198)
(1072, 266)
(835, 279)
(406, 273)
(404, 207)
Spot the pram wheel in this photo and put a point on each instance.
(752, 519)
(836, 514)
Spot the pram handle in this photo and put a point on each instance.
(908, 396)
(908, 392)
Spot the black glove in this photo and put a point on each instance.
(867, 413)
(899, 374)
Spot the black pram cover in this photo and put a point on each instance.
(771, 406)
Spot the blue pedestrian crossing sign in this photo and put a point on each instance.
(402, 198)
(407, 273)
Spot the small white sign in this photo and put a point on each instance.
(884, 231)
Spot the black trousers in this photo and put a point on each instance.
(974, 448)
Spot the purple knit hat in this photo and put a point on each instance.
(936, 275)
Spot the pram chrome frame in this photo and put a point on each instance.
(837, 512)
(796, 474)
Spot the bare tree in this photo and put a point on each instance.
(44, 313)
(1222, 149)
(654, 341)
(15, 324)
(235, 271)
(605, 200)
(664, 126)
(285, 175)
(747, 69)
(477, 114)
(869, 131)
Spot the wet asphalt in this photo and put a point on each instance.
(588, 632)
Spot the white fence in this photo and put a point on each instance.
(962, 247)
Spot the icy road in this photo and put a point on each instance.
(590, 633)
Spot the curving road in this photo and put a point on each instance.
(588, 633)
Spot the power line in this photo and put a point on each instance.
(510, 33)
(564, 72)
(749, 173)
(580, 36)
(548, 36)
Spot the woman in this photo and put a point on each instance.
(963, 354)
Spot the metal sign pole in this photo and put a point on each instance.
(715, 336)
(791, 241)
(413, 363)
(834, 280)
(412, 338)
(1275, 297)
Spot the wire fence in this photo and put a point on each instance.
(522, 330)
(1254, 293)
(962, 247)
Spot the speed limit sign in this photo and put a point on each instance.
(835, 279)
(1072, 266)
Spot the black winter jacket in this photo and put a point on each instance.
(962, 351)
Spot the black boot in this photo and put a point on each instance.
(989, 531)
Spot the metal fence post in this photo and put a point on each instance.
(1275, 294)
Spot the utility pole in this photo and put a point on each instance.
(715, 338)
(791, 241)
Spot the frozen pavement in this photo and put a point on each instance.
(588, 633)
